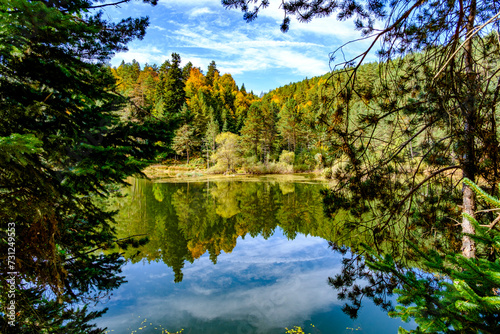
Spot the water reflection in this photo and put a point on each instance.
(187, 220)
(268, 241)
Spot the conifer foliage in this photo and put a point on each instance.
(62, 144)
(451, 294)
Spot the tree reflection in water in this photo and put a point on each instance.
(186, 220)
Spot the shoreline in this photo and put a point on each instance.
(166, 173)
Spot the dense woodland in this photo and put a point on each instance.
(215, 121)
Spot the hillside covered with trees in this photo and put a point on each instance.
(216, 122)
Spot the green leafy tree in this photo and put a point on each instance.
(185, 140)
(61, 145)
(228, 151)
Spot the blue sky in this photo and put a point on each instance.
(257, 54)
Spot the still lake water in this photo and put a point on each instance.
(231, 256)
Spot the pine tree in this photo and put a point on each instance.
(252, 131)
(212, 73)
(438, 90)
(209, 138)
(185, 140)
(289, 125)
(450, 294)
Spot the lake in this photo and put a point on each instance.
(241, 255)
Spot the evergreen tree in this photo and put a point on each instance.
(186, 71)
(289, 124)
(212, 73)
(173, 90)
(209, 138)
(61, 146)
(252, 131)
(452, 293)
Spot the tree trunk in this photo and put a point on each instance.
(468, 197)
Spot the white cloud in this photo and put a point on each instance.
(157, 27)
(263, 284)
(202, 31)
(238, 52)
(200, 12)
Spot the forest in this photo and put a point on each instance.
(220, 126)
(409, 144)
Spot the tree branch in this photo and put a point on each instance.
(100, 247)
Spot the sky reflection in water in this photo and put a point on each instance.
(262, 286)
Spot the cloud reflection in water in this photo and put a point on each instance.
(262, 285)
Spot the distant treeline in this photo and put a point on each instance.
(218, 124)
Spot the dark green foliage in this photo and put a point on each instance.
(51, 316)
(441, 290)
(173, 87)
(62, 143)
(212, 73)
(252, 131)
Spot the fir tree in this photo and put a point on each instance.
(212, 73)
(61, 146)
(252, 131)
(173, 89)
